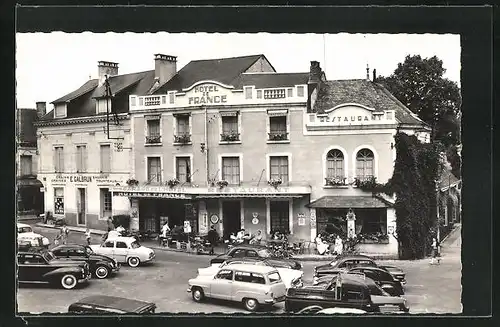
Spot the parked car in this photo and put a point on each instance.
(287, 274)
(253, 285)
(43, 267)
(25, 234)
(101, 266)
(124, 249)
(343, 264)
(316, 309)
(381, 277)
(103, 304)
(345, 291)
(255, 251)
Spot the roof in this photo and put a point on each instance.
(115, 302)
(271, 80)
(352, 201)
(85, 88)
(119, 83)
(447, 179)
(251, 268)
(26, 129)
(367, 93)
(224, 70)
(122, 238)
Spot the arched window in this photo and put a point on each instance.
(364, 164)
(335, 165)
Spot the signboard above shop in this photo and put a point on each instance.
(208, 94)
(87, 179)
(352, 114)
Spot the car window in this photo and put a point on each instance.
(33, 259)
(135, 245)
(109, 244)
(264, 253)
(385, 276)
(258, 278)
(344, 264)
(238, 253)
(225, 274)
(121, 245)
(371, 274)
(351, 295)
(274, 277)
(59, 252)
(76, 252)
(24, 230)
(366, 263)
(241, 276)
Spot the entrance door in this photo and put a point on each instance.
(231, 217)
(81, 206)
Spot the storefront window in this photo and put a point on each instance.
(59, 201)
(280, 218)
(364, 164)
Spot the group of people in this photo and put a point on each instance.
(243, 237)
(323, 247)
(62, 237)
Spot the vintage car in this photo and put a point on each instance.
(287, 274)
(255, 251)
(347, 262)
(253, 285)
(381, 277)
(101, 266)
(316, 309)
(25, 235)
(124, 249)
(345, 291)
(43, 267)
(103, 304)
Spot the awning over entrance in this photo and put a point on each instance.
(329, 201)
(29, 182)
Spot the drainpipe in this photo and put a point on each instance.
(206, 144)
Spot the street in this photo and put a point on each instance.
(430, 288)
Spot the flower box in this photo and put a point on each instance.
(230, 137)
(275, 182)
(335, 181)
(173, 182)
(153, 139)
(132, 182)
(182, 138)
(222, 183)
(274, 136)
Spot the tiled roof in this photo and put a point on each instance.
(85, 88)
(120, 82)
(330, 201)
(27, 131)
(224, 71)
(361, 91)
(271, 80)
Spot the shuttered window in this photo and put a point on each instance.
(364, 164)
(154, 170)
(81, 158)
(183, 169)
(59, 159)
(279, 168)
(182, 125)
(231, 170)
(105, 152)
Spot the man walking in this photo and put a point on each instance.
(213, 236)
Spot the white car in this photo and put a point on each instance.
(287, 274)
(25, 233)
(125, 249)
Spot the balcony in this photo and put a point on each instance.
(230, 137)
(182, 139)
(275, 94)
(335, 181)
(151, 101)
(278, 136)
(153, 139)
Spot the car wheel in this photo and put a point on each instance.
(197, 294)
(101, 272)
(133, 261)
(251, 304)
(68, 281)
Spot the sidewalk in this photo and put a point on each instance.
(73, 229)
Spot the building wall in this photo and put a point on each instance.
(261, 65)
(25, 151)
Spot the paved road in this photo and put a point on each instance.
(430, 288)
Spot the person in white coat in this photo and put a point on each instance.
(321, 246)
(339, 245)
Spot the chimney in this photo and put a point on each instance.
(41, 109)
(165, 67)
(106, 68)
(367, 72)
(315, 73)
(374, 75)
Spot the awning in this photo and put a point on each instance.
(359, 202)
(29, 182)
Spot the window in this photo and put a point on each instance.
(300, 91)
(106, 203)
(335, 167)
(259, 94)
(153, 131)
(109, 244)
(81, 158)
(277, 128)
(274, 277)
(135, 245)
(225, 274)
(105, 150)
(183, 169)
(258, 278)
(280, 218)
(121, 245)
(59, 201)
(252, 253)
(171, 97)
(26, 165)
(59, 159)
(289, 93)
(245, 277)
(154, 170)
(248, 92)
(230, 128)
(364, 164)
(231, 170)
(182, 125)
(239, 253)
(279, 168)
(60, 110)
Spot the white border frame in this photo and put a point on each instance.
(146, 172)
(223, 155)
(375, 159)
(180, 155)
(279, 154)
(346, 162)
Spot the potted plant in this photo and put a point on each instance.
(335, 181)
(230, 136)
(132, 182)
(222, 183)
(182, 138)
(275, 182)
(173, 182)
(277, 136)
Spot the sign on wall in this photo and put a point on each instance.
(207, 94)
(99, 179)
(352, 115)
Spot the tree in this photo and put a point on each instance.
(419, 84)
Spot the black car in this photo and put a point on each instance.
(102, 304)
(43, 267)
(255, 251)
(343, 264)
(382, 277)
(101, 266)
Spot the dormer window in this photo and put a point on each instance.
(171, 97)
(60, 110)
(102, 107)
(300, 91)
(248, 92)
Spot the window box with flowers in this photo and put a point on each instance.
(369, 184)
(278, 136)
(230, 137)
(182, 139)
(275, 182)
(173, 182)
(132, 182)
(335, 181)
(373, 238)
(222, 183)
(153, 139)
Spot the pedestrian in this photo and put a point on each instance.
(213, 236)
(110, 224)
(339, 245)
(435, 252)
(257, 239)
(58, 238)
(65, 233)
(87, 235)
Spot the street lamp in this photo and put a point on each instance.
(436, 182)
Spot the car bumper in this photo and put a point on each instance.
(275, 300)
(115, 269)
(84, 280)
(189, 289)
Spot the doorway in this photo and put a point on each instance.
(231, 217)
(81, 206)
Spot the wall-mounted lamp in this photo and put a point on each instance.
(392, 145)
(202, 147)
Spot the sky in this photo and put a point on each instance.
(50, 65)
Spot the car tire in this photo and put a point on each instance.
(101, 272)
(133, 262)
(251, 304)
(69, 281)
(197, 294)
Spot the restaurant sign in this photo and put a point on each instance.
(351, 115)
(207, 94)
(153, 195)
(249, 190)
